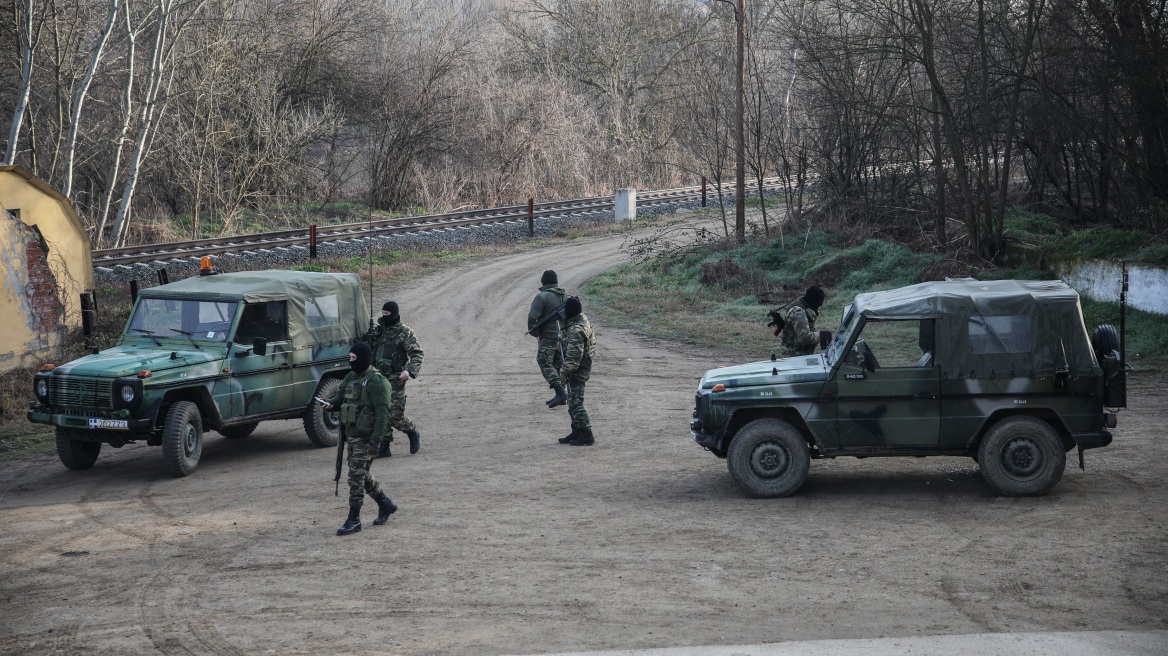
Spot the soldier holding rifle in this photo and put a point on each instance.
(543, 323)
(364, 402)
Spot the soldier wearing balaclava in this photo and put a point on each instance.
(398, 356)
(362, 401)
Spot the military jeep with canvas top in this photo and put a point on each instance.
(1001, 371)
(212, 352)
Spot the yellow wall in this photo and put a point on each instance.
(69, 259)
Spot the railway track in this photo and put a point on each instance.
(126, 255)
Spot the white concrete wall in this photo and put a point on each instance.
(1100, 280)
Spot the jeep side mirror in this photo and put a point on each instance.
(259, 346)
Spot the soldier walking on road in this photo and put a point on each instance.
(579, 347)
(549, 356)
(363, 400)
(797, 322)
(398, 356)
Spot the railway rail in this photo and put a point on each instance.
(126, 255)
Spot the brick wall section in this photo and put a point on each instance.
(42, 289)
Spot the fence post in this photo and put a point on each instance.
(703, 191)
(133, 291)
(312, 241)
(531, 217)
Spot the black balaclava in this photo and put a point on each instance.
(814, 297)
(364, 357)
(572, 307)
(393, 318)
(549, 278)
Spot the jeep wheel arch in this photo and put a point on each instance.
(201, 398)
(744, 416)
(1046, 415)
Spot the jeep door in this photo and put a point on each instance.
(888, 387)
(261, 383)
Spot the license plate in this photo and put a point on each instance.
(116, 424)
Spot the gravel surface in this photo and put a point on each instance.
(282, 257)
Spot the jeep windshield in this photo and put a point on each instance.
(847, 325)
(183, 319)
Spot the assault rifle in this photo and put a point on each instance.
(340, 459)
(558, 314)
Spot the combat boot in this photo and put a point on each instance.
(560, 398)
(383, 449)
(415, 440)
(570, 436)
(583, 438)
(352, 524)
(385, 508)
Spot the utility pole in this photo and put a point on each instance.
(740, 133)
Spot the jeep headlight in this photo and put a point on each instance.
(128, 393)
(41, 388)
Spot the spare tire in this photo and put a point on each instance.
(1104, 339)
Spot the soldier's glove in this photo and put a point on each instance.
(824, 339)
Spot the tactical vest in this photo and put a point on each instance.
(388, 348)
(357, 415)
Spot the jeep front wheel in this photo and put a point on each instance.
(74, 453)
(182, 439)
(769, 458)
(1022, 457)
(323, 427)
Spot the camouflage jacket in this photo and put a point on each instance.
(396, 348)
(579, 343)
(363, 402)
(799, 335)
(549, 298)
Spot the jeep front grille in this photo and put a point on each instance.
(701, 406)
(65, 392)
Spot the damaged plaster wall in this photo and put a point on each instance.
(31, 314)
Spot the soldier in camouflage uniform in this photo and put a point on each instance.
(579, 347)
(799, 335)
(550, 297)
(398, 356)
(363, 400)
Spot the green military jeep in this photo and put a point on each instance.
(220, 352)
(1001, 371)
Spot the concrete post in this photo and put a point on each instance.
(625, 205)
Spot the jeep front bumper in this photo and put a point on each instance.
(70, 421)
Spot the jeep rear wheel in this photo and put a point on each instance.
(182, 439)
(769, 458)
(75, 453)
(1022, 457)
(323, 427)
(238, 431)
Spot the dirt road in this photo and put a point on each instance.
(508, 542)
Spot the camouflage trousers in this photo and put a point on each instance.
(361, 482)
(549, 359)
(576, 381)
(397, 411)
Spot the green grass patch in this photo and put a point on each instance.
(718, 297)
(1098, 242)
